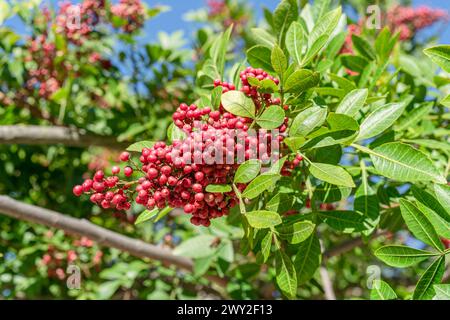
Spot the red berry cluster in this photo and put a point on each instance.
(57, 260)
(98, 187)
(46, 75)
(251, 91)
(78, 21)
(132, 11)
(408, 20)
(178, 175)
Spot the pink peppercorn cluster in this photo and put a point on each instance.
(132, 11)
(251, 91)
(45, 75)
(57, 260)
(77, 21)
(99, 188)
(178, 175)
(405, 20)
(408, 20)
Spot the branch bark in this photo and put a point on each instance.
(38, 135)
(102, 236)
(349, 245)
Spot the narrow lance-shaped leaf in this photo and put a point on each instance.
(301, 80)
(440, 55)
(401, 256)
(332, 174)
(263, 219)
(433, 275)
(296, 232)
(307, 120)
(380, 120)
(294, 41)
(402, 162)
(344, 221)
(352, 102)
(259, 185)
(381, 291)
(285, 274)
(307, 259)
(442, 291)
(419, 225)
(443, 196)
(279, 61)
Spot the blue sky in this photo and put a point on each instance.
(173, 20)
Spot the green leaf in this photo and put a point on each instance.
(308, 258)
(272, 118)
(401, 256)
(163, 213)
(442, 291)
(247, 171)
(281, 202)
(296, 232)
(301, 80)
(146, 215)
(354, 63)
(277, 166)
(138, 146)
(441, 225)
(314, 49)
(263, 219)
(262, 37)
(294, 41)
(363, 47)
(294, 143)
(259, 57)
(278, 60)
(443, 196)
(307, 120)
(380, 120)
(325, 25)
(433, 275)
(266, 245)
(175, 133)
(218, 188)
(219, 50)
(401, 162)
(285, 13)
(419, 225)
(414, 116)
(344, 221)
(366, 202)
(446, 101)
(381, 291)
(237, 103)
(216, 95)
(440, 55)
(285, 275)
(201, 265)
(332, 174)
(383, 44)
(259, 185)
(197, 247)
(352, 102)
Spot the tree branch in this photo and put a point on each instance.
(105, 237)
(37, 135)
(349, 245)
